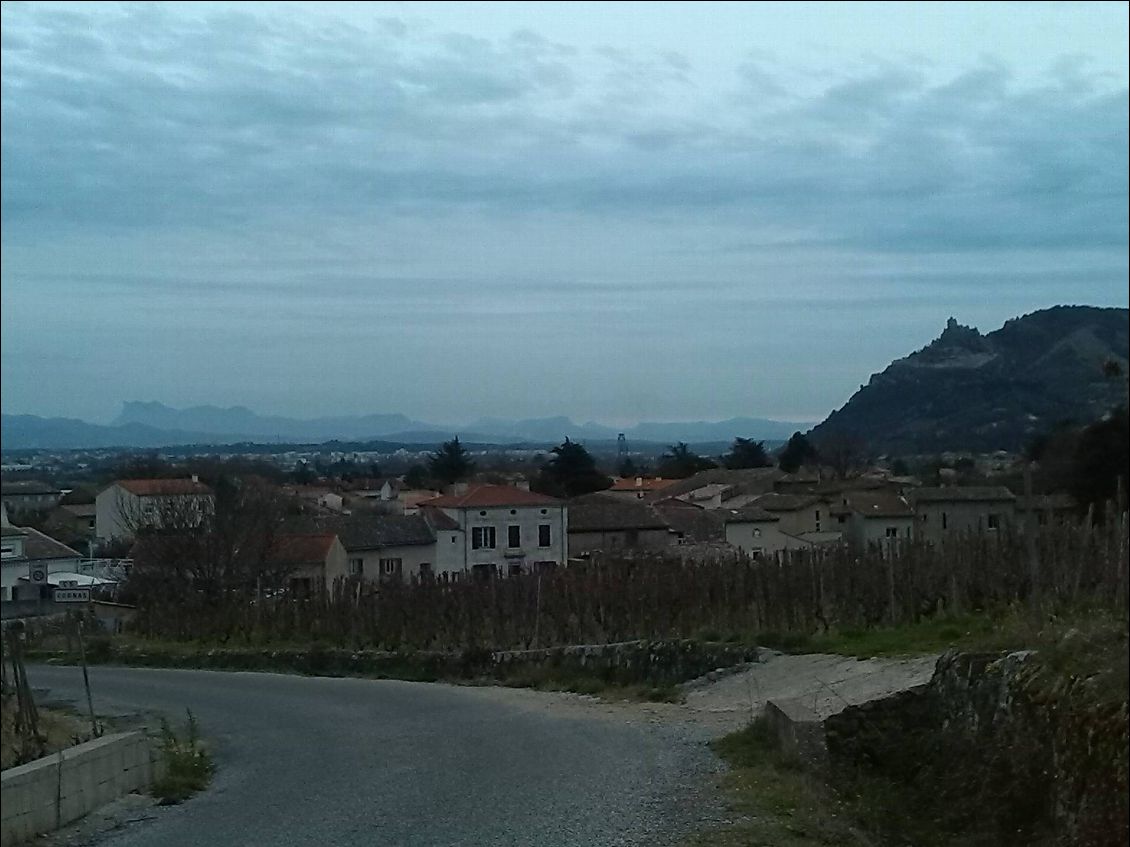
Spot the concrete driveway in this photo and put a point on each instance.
(310, 760)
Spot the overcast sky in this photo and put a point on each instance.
(617, 212)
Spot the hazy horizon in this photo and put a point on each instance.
(611, 212)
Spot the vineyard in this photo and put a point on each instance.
(657, 596)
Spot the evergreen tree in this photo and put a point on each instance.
(571, 472)
(747, 453)
(450, 463)
(680, 462)
(796, 453)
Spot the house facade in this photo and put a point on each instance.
(27, 559)
(873, 518)
(956, 509)
(385, 548)
(306, 559)
(607, 522)
(756, 532)
(27, 496)
(497, 529)
(124, 505)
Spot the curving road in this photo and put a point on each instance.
(312, 760)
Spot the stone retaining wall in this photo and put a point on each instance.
(51, 792)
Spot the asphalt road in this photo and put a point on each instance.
(310, 760)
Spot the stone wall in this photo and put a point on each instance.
(51, 792)
(1031, 754)
(653, 662)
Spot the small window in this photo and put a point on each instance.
(945, 521)
(841, 518)
(925, 518)
(515, 570)
(513, 536)
(994, 521)
(425, 570)
(482, 514)
(544, 536)
(545, 511)
(356, 567)
(817, 516)
(513, 511)
(482, 538)
(390, 567)
(892, 532)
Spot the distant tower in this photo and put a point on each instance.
(621, 446)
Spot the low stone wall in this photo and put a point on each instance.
(51, 792)
(1031, 752)
(653, 662)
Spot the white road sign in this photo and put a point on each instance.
(72, 595)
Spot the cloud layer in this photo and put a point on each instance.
(168, 172)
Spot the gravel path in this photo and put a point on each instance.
(308, 760)
(825, 684)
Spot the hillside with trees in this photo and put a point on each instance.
(968, 391)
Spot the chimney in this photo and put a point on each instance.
(196, 478)
(639, 482)
(522, 485)
(458, 489)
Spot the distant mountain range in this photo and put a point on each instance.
(152, 424)
(968, 391)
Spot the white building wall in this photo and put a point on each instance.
(528, 519)
(757, 537)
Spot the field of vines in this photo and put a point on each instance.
(661, 596)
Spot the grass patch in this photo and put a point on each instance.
(188, 766)
(777, 804)
(559, 679)
(58, 730)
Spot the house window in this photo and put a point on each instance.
(515, 570)
(356, 567)
(425, 570)
(994, 521)
(925, 518)
(544, 538)
(483, 573)
(482, 538)
(390, 567)
(755, 554)
(841, 518)
(513, 536)
(818, 516)
(945, 523)
(892, 532)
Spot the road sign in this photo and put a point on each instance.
(37, 575)
(72, 595)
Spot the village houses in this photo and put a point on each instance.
(127, 504)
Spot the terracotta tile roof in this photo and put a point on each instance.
(38, 546)
(748, 514)
(301, 548)
(962, 494)
(487, 496)
(693, 521)
(640, 484)
(878, 504)
(744, 481)
(163, 487)
(604, 513)
(785, 502)
(375, 532)
(440, 520)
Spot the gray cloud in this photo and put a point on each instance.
(305, 185)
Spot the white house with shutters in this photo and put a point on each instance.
(497, 530)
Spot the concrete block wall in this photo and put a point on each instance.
(51, 792)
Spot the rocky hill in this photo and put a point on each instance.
(968, 391)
